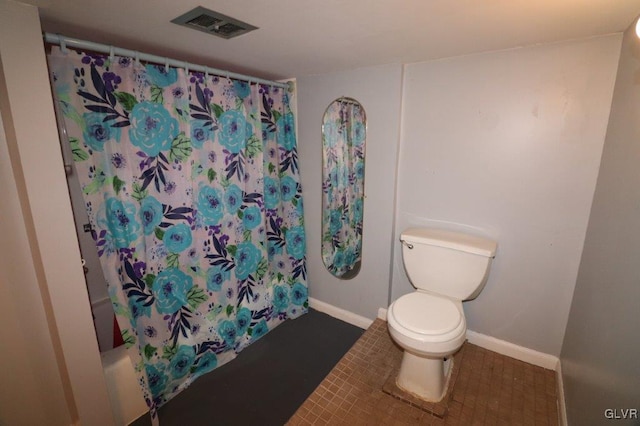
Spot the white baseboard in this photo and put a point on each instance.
(540, 359)
(341, 314)
(531, 356)
(382, 314)
(562, 408)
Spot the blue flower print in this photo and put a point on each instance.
(96, 132)
(359, 169)
(357, 210)
(233, 198)
(330, 133)
(338, 259)
(207, 362)
(182, 361)
(286, 131)
(152, 128)
(335, 222)
(299, 294)
(343, 176)
(156, 378)
(294, 311)
(280, 298)
(227, 330)
(216, 276)
(170, 289)
(333, 178)
(199, 134)
(177, 238)
(296, 243)
(271, 193)
(232, 131)
(288, 188)
(273, 248)
(259, 330)
(242, 88)
(246, 259)
(251, 217)
(138, 309)
(159, 75)
(359, 132)
(210, 205)
(349, 257)
(151, 213)
(243, 320)
(300, 208)
(177, 92)
(124, 62)
(118, 161)
(121, 222)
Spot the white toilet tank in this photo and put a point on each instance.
(447, 263)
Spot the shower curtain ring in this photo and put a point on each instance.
(206, 74)
(111, 53)
(137, 58)
(166, 64)
(63, 45)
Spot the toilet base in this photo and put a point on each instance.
(424, 377)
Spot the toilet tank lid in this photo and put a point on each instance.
(449, 239)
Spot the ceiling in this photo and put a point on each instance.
(302, 37)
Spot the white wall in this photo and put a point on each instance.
(507, 145)
(53, 256)
(28, 365)
(379, 91)
(601, 347)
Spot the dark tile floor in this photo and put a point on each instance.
(268, 380)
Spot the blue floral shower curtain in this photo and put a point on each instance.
(192, 189)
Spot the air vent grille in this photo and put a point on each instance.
(215, 23)
(204, 21)
(229, 29)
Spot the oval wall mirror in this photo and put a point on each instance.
(343, 161)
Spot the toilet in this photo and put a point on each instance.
(446, 268)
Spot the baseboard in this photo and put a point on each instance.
(531, 356)
(540, 359)
(562, 407)
(382, 314)
(341, 314)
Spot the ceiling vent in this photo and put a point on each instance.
(215, 23)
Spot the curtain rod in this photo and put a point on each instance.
(63, 42)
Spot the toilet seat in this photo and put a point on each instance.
(427, 325)
(426, 314)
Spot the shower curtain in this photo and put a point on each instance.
(192, 189)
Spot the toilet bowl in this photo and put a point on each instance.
(429, 328)
(446, 268)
